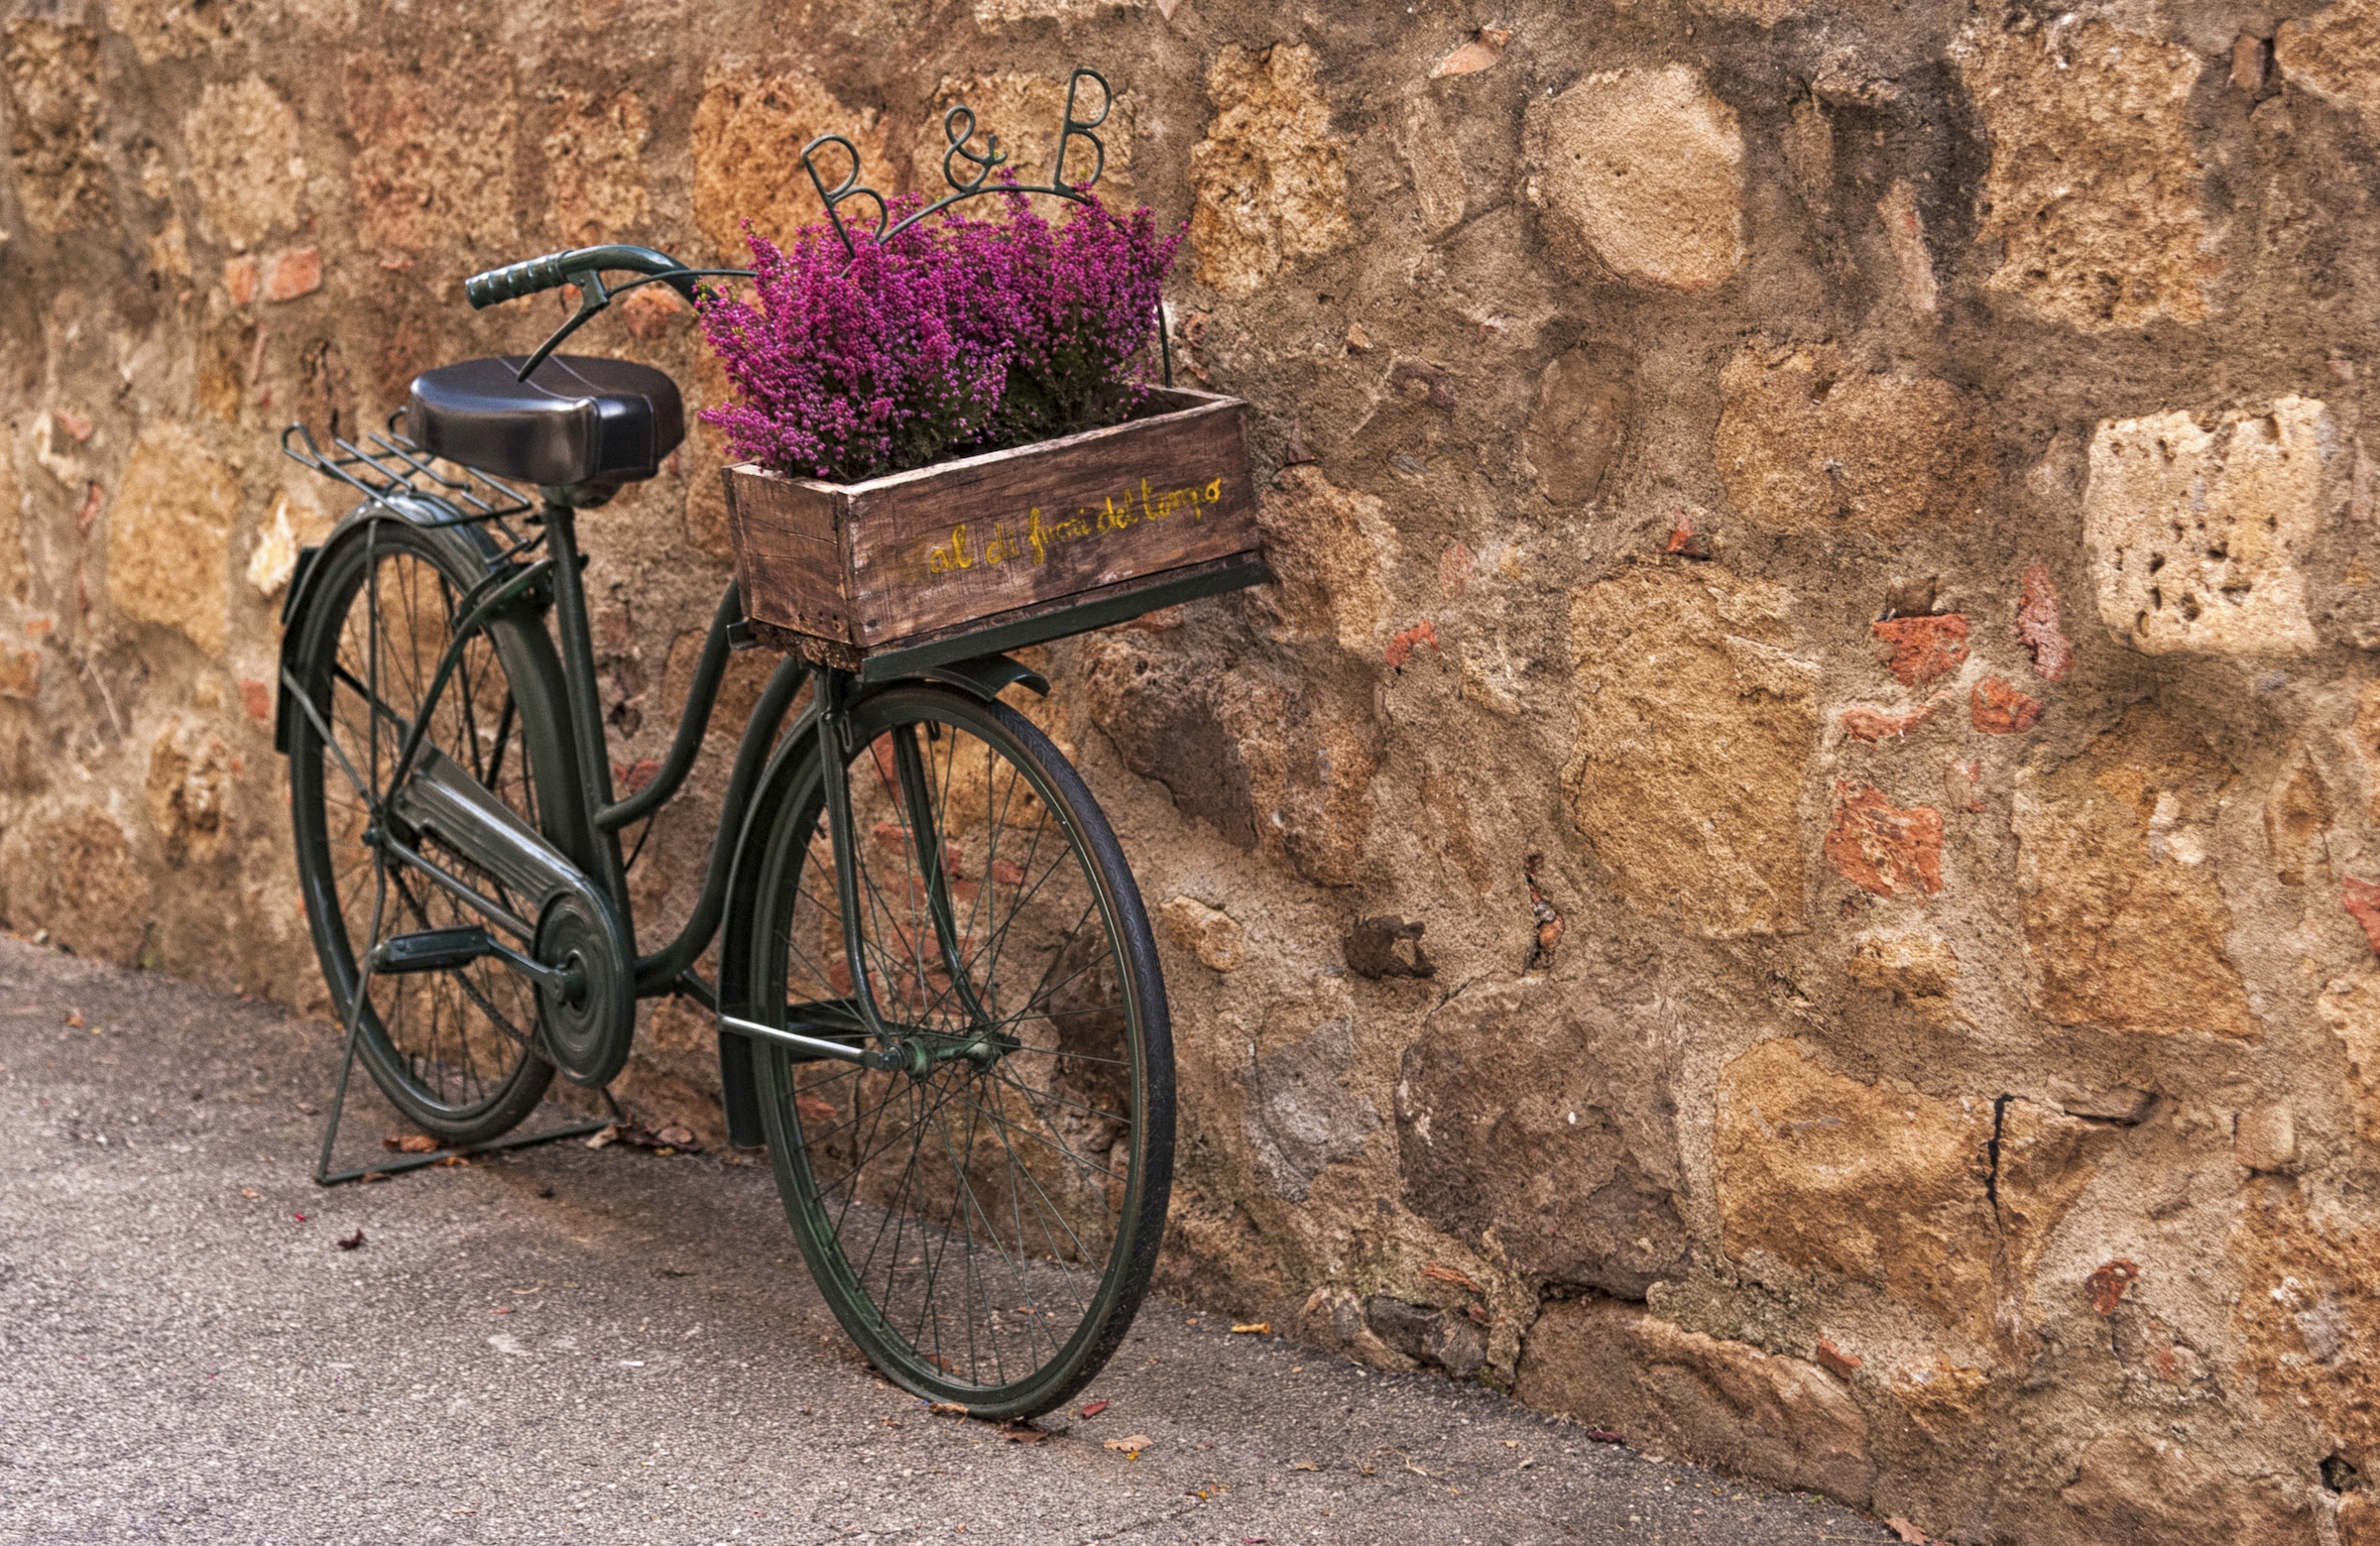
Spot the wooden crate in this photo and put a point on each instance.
(1009, 548)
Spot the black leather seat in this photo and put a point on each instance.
(576, 421)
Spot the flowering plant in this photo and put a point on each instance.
(957, 335)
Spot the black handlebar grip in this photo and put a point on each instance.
(511, 283)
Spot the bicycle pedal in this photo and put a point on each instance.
(433, 950)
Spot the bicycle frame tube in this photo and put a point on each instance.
(584, 707)
(668, 969)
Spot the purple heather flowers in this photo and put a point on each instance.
(960, 334)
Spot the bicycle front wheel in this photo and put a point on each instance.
(983, 1219)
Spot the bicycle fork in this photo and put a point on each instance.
(916, 1050)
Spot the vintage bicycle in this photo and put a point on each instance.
(938, 1000)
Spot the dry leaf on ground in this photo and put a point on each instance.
(1252, 1329)
(1909, 1533)
(1094, 1408)
(1131, 1446)
(947, 1409)
(412, 1143)
(351, 1241)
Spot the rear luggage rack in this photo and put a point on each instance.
(395, 466)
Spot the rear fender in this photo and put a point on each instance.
(792, 769)
(471, 543)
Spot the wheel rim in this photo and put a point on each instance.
(971, 1216)
(455, 1046)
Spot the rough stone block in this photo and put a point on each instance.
(76, 877)
(2196, 533)
(1575, 431)
(1881, 848)
(2265, 1136)
(426, 175)
(2093, 189)
(2307, 1315)
(1999, 709)
(1729, 1404)
(190, 793)
(1434, 1339)
(1696, 721)
(1331, 550)
(242, 140)
(1639, 174)
(20, 673)
(1921, 971)
(2336, 55)
(1209, 933)
(169, 538)
(1905, 228)
(56, 117)
(2134, 1487)
(595, 160)
(1919, 650)
(1269, 178)
(2039, 627)
(2125, 927)
(1807, 441)
(1938, 1395)
(748, 138)
(1302, 1116)
(291, 273)
(1879, 1182)
(2349, 1008)
(2297, 815)
(1513, 1118)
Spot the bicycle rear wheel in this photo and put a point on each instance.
(984, 1220)
(455, 1050)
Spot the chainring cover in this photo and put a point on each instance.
(587, 1030)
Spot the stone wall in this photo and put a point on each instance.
(1791, 865)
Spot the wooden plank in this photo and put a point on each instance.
(1054, 612)
(789, 551)
(993, 533)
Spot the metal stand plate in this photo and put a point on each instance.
(326, 1176)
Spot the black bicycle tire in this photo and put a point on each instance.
(1132, 1261)
(309, 771)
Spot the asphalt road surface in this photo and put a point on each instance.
(605, 1346)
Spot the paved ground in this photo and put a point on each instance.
(607, 1347)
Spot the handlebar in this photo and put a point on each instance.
(557, 269)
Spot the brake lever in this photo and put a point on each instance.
(592, 299)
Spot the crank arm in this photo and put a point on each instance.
(448, 949)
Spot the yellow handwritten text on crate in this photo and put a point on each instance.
(1036, 536)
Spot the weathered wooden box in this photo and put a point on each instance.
(1004, 549)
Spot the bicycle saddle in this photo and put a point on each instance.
(576, 421)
